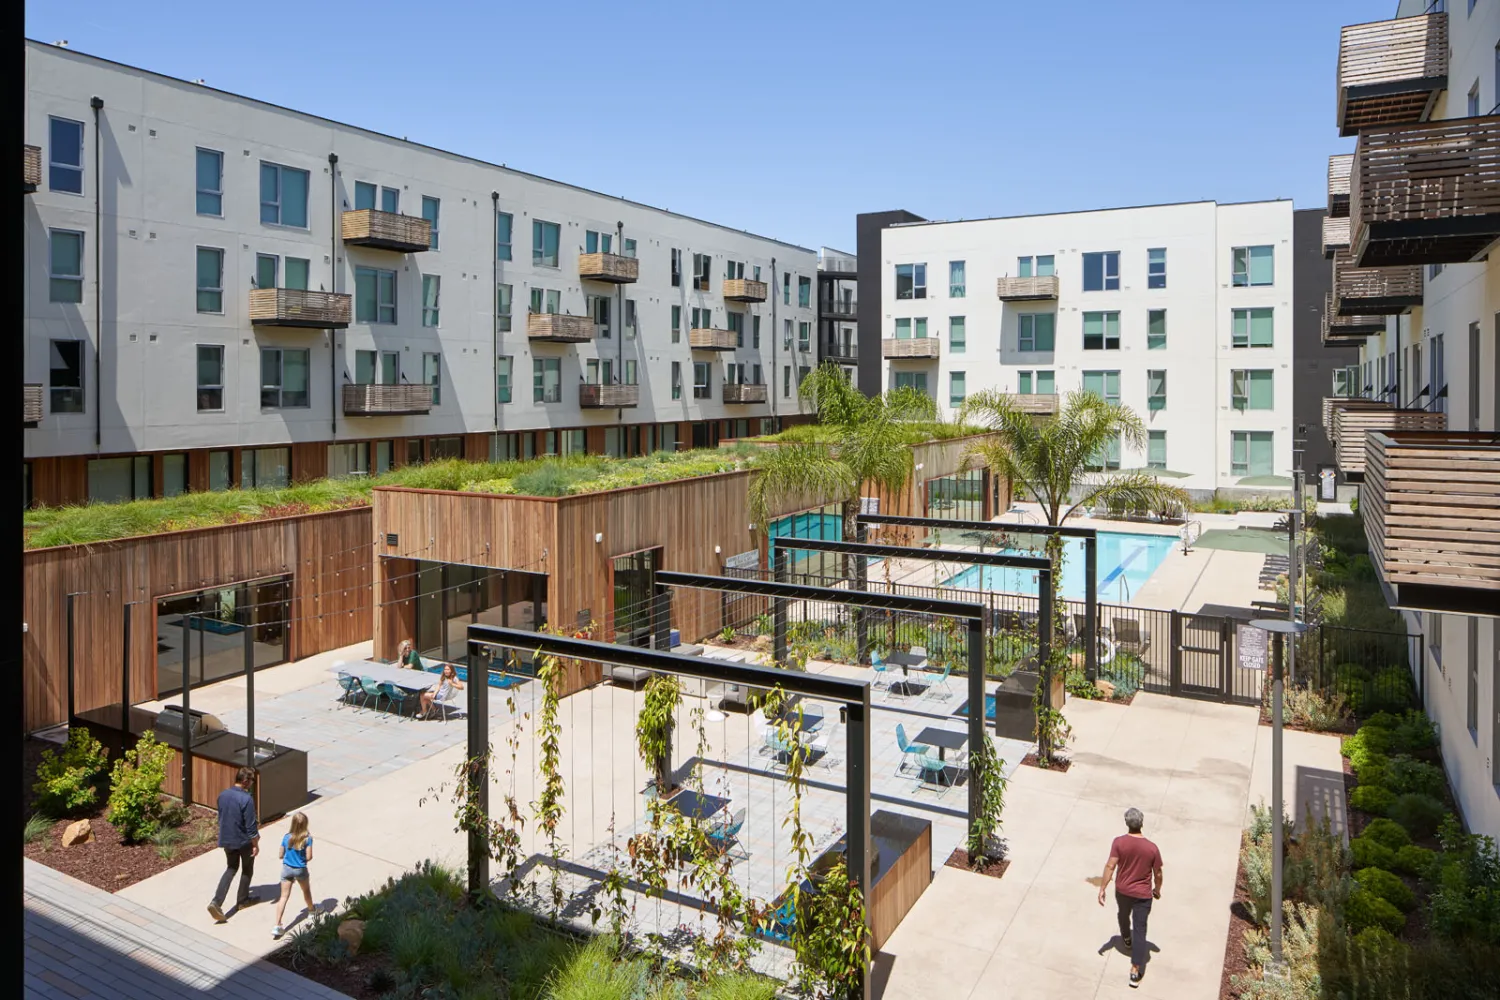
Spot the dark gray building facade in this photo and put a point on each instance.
(1313, 364)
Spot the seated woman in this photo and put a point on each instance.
(406, 655)
(448, 682)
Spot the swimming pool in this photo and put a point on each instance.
(1126, 560)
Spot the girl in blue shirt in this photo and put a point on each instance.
(296, 852)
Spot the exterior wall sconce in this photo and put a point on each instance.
(598, 536)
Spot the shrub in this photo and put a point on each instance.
(1407, 774)
(1389, 690)
(1420, 814)
(37, 827)
(1314, 710)
(1413, 860)
(1375, 770)
(1382, 720)
(1387, 886)
(1365, 743)
(1126, 672)
(1415, 732)
(1371, 854)
(67, 781)
(135, 803)
(1387, 833)
(1365, 909)
(1372, 799)
(1466, 902)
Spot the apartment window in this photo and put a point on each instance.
(912, 380)
(1473, 110)
(546, 380)
(1107, 458)
(677, 324)
(432, 374)
(174, 475)
(1471, 714)
(1251, 453)
(283, 195)
(1101, 271)
(786, 288)
(629, 248)
(1156, 330)
(504, 369)
(702, 387)
(1105, 385)
(1346, 381)
(374, 295)
(1156, 389)
(65, 384)
(802, 371)
(677, 380)
(1437, 375)
(804, 337)
(1252, 389)
(210, 183)
(430, 208)
(351, 459)
(676, 268)
(703, 319)
(911, 281)
(111, 480)
(432, 287)
(756, 380)
(1252, 328)
(1156, 268)
(269, 467)
(958, 337)
(267, 268)
(1037, 332)
(1024, 383)
(1101, 331)
(956, 285)
(545, 300)
(210, 378)
(297, 272)
(283, 378)
(544, 240)
(211, 280)
(365, 197)
(734, 269)
(631, 372)
(1433, 270)
(503, 224)
(596, 242)
(754, 332)
(701, 264)
(65, 155)
(1035, 267)
(756, 272)
(786, 381)
(955, 388)
(377, 367)
(1156, 449)
(786, 335)
(218, 470)
(503, 299)
(65, 265)
(1253, 266)
(736, 326)
(804, 293)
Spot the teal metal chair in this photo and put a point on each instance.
(722, 836)
(781, 750)
(350, 684)
(932, 765)
(882, 673)
(371, 689)
(395, 696)
(908, 749)
(942, 682)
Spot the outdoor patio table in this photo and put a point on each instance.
(697, 805)
(906, 661)
(401, 677)
(943, 739)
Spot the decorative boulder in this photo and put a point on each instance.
(1105, 687)
(352, 933)
(80, 832)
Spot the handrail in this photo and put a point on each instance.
(1187, 530)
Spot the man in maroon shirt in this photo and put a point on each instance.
(1136, 862)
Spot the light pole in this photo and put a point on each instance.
(1285, 633)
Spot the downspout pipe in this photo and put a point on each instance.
(620, 340)
(97, 103)
(333, 256)
(495, 299)
(775, 339)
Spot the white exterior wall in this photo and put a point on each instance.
(151, 127)
(1199, 297)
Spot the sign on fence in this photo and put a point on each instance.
(869, 505)
(1252, 647)
(743, 560)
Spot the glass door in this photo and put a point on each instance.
(634, 575)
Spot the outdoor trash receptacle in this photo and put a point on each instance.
(1015, 706)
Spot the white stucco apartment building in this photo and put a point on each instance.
(1180, 312)
(207, 274)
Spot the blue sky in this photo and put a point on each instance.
(789, 118)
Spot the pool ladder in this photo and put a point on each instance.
(1189, 533)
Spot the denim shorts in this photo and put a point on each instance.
(290, 874)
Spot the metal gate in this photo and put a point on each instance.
(1205, 661)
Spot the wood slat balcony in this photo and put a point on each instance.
(1335, 235)
(31, 168)
(559, 328)
(744, 392)
(1390, 72)
(593, 396)
(707, 339)
(910, 349)
(1431, 507)
(1039, 403)
(1351, 423)
(1426, 194)
(1374, 291)
(1347, 329)
(1339, 169)
(744, 290)
(298, 307)
(386, 400)
(365, 227)
(1352, 402)
(611, 267)
(31, 403)
(1026, 289)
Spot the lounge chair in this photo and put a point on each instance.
(1129, 636)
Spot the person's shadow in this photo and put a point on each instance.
(270, 894)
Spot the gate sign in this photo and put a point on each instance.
(744, 560)
(1252, 646)
(869, 505)
(1328, 488)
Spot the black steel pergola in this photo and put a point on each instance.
(1090, 538)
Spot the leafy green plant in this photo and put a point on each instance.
(548, 807)
(1414, 860)
(1374, 770)
(726, 634)
(67, 780)
(135, 801)
(1466, 901)
(1366, 909)
(1367, 741)
(653, 727)
(1420, 814)
(1372, 799)
(1387, 886)
(38, 825)
(986, 767)
(1314, 710)
(1407, 774)
(1387, 833)
(1371, 854)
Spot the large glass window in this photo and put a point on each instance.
(1156, 389)
(283, 378)
(546, 380)
(504, 368)
(174, 475)
(911, 281)
(1156, 330)
(211, 280)
(634, 578)
(702, 380)
(65, 266)
(210, 194)
(65, 155)
(956, 389)
(958, 335)
(1252, 389)
(544, 240)
(912, 380)
(503, 225)
(804, 292)
(1251, 453)
(1105, 385)
(1253, 328)
(702, 277)
(218, 619)
(502, 308)
(283, 195)
(1253, 266)
(432, 287)
(1036, 267)
(210, 377)
(1037, 332)
(374, 295)
(349, 459)
(432, 374)
(957, 286)
(959, 497)
(265, 467)
(677, 380)
(1101, 271)
(65, 384)
(1101, 331)
(1156, 449)
(430, 208)
(1156, 268)
(219, 465)
(111, 480)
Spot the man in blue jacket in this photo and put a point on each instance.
(239, 835)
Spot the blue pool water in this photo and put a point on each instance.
(989, 708)
(1126, 561)
(496, 680)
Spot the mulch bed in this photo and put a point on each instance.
(105, 862)
(992, 867)
(1059, 764)
(1235, 962)
(351, 978)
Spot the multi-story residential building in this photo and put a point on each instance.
(838, 308)
(1181, 312)
(1416, 285)
(221, 292)
(1319, 368)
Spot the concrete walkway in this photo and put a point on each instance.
(1039, 931)
(84, 942)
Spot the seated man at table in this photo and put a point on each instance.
(406, 655)
(448, 682)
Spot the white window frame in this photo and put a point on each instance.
(280, 384)
(504, 248)
(201, 192)
(431, 311)
(281, 170)
(433, 219)
(54, 277)
(208, 386)
(54, 164)
(202, 289)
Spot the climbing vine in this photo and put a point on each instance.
(653, 728)
(986, 768)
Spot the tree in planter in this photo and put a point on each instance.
(653, 728)
(986, 767)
